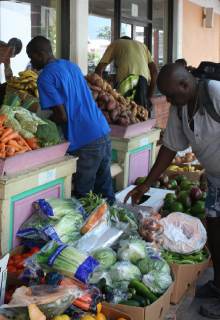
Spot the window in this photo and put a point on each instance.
(28, 19)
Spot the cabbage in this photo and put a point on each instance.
(120, 284)
(153, 263)
(157, 282)
(124, 271)
(106, 257)
(133, 250)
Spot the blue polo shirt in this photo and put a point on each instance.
(62, 82)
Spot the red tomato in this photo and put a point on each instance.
(26, 255)
(19, 264)
(10, 262)
(34, 250)
(12, 269)
(16, 256)
(7, 297)
(19, 271)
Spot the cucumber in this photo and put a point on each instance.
(106, 289)
(132, 303)
(132, 291)
(101, 283)
(143, 301)
(142, 290)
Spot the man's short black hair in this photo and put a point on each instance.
(126, 37)
(183, 62)
(40, 43)
(16, 44)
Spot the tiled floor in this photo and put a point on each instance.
(193, 311)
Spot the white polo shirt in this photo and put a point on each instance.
(205, 139)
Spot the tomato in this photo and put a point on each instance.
(16, 256)
(19, 264)
(10, 262)
(34, 250)
(8, 297)
(26, 255)
(19, 271)
(12, 269)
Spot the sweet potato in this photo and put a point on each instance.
(113, 114)
(104, 98)
(101, 93)
(95, 95)
(95, 76)
(122, 100)
(127, 101)
(109, 87)
(132, 119)
(110, 97)
(123, 121)
(114, 93)
(95, 88)
(104, 85)
(134, 110)
(111, 105)
(102, 106)
(107, 116)
(99, 82)
(117, 107)
(125, 113)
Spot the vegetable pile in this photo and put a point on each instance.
(117, 109)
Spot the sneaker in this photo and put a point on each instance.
(208, 290)
(211, 310)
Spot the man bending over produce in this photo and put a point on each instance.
(63, 89)
(199, 129)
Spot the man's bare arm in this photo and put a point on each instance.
(100, 68)
(59, 115)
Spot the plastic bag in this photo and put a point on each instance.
(102, 235)
(183, 233)
(127, 271)
(98, 274)
(51, 300)
(150, 228)
(56, 208)
(120, 214)
(153, 262)
(157, 282)
(132, 250)
(106, 257)
(66, 259)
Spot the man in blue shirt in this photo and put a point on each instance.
(63, 89)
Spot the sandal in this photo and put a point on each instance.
(211, 310)
(208, 290)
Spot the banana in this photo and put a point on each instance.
(36, 93)
(28, 73)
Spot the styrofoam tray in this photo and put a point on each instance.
(121, 131)
(32, 158)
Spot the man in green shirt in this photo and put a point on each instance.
(136, 74)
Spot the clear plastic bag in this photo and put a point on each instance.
(56, 208)
(127, 271)
(105, 256)
(157, 281)
(153, 262)
(102, 235)
(132, 250)
(150, 227)
(51, 300)
(183, 233)
(120, 214)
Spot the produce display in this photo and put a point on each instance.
(21, 130)
(114, 258)
(187, 168)
(26, 82)
(117, 109)
(188, 157)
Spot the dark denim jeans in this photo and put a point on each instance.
(93, 169)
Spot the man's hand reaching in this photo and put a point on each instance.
(136, 194)
(150, 104)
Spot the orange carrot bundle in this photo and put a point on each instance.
(95, 218)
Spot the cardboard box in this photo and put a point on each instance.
(120, 131)
(155, 311)
(189, 175)
(113, 314)
(186, 276)
(24, 97)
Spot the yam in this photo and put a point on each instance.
(94, 76)
(95, 88)
(123, 121)
(113, 114)
(122, 106)
(95, 95)
(110, 97)
(122, 100)
(107, 116)
(104, 85)
(101, 93)
(99, 82)
(127, 101)
(111, 105)
(102, 106)
(109, 87)
(104, 98)
(117, 107)
(134, 110)
(132, 118)
(114, 94)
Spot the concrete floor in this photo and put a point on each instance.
(193, 310)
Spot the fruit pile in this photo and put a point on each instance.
(189, 198)
(16, 262)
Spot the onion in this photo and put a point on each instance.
(151, 236)
(177, 160)
(153, 226)
(188, 158)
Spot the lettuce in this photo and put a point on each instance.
(133, 250)
(106, 257)
(124, 271)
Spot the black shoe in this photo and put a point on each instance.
(211, 310)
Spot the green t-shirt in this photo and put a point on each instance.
(131, 57)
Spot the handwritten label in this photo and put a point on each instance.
(143, 142)
(47, 176)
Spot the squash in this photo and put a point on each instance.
(35, 313)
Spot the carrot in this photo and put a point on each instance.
(2, 146)
(95, 216)
(24, 143)
(33, 146)
(6, 132)
(3, 154)
(13, 143)
(10, 151)
(32, 140)
(2, 119)
(10, 136)
(21, 151)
